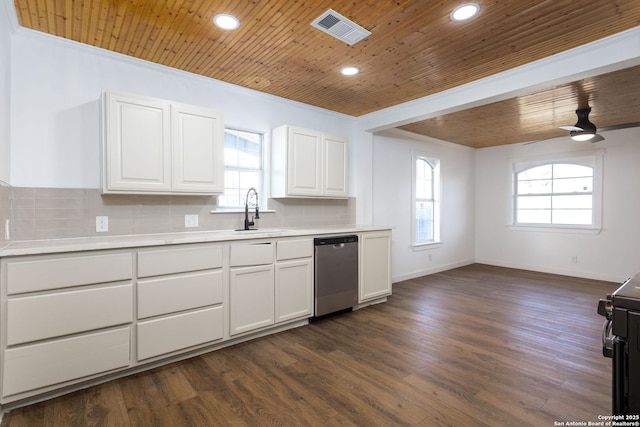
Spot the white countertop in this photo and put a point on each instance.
(36, 247)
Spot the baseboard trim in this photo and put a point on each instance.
(432, 270)
(559, 271)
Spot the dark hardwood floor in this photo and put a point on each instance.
(473, 346)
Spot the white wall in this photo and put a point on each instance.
(56, 86)
(492, 245)
(5, 92)
(392, 202)
(613, 254)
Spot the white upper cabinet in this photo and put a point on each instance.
(137, 144)
(335, 166)
(308, 163)
(155, 146)
(198, 162)
(304, 162)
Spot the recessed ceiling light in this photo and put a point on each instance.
(349, 71)
(464, 12)
(226, 21)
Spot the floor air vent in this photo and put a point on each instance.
(338, 26)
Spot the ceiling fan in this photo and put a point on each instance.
(584, 130)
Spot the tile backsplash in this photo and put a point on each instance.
(54, 213)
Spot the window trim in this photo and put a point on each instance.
(437, 200)
(591, 158)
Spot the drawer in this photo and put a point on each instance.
(44, 274)
(251, 254)
(161, 336)
(169, 261)
(33, 366)
(177, 293)
(46, 316)
(291, 249)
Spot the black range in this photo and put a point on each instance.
(621, 342)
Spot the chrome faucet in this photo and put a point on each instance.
(248, 223)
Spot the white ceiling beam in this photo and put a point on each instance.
(606, 55)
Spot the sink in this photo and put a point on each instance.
(259, 231)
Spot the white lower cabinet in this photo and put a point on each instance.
(180, 299)
(294, 279)
(72, 318)
(251, 298)
(277, 291)
(68, 317)
(35, 366)
(375, 265)
(294, 289)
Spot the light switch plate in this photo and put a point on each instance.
(102, 224)
(190, 221)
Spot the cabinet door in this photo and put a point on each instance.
(294, 289)
(335, 177)
(137, 144)
(304, 162)
(251, 298)
(375, 265)
(197, 149)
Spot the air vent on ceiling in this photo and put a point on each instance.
(338, 26)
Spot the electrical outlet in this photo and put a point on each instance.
(102, 224)
(190, 221)
(574, 259)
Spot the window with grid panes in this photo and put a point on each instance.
(426, 224)
(556, 193)
(242, 166)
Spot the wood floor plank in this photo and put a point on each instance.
(472, 346)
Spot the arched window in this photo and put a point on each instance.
(426, 227)
(558, 193)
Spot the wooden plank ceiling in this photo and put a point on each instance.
(614, 99)
(415, 49)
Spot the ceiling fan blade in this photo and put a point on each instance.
(622, 126)
(535, 141)
(597, 138)
(571, 128)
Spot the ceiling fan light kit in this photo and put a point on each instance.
(577, 135)
(587, 129)
(583, 130)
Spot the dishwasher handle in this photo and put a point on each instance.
(335, 241)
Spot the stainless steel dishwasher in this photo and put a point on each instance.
(336, 274)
